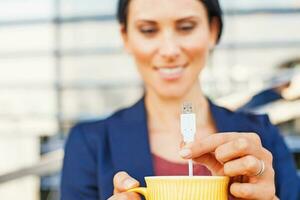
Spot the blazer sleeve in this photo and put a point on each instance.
(79, 179)
(286, 178)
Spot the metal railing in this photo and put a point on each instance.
(48, 164)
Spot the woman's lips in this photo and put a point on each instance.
(170, 73)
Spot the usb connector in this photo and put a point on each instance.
(188, 122)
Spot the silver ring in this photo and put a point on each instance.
(262, 169)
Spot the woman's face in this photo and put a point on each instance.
(170, 41)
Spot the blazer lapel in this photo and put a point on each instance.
(129, 142)
(228, 121)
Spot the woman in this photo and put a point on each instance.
(170, 41)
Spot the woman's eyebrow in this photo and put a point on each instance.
(178, 20)
(145, 21)
(188, 18)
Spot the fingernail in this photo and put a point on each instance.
(185, 153)
(129, 183)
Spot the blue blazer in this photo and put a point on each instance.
(96, 151)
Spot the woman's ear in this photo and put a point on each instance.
(214, 32)
(124, 35)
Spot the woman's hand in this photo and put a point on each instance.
(122, 183)
(240, 156)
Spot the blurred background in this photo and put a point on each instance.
(62, 61)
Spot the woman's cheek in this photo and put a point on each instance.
(197, 53)
(197, 42)
(141, 44)
(143, 51)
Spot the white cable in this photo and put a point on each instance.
(191, 167)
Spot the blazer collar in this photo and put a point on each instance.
(227, 120)
(129, 142)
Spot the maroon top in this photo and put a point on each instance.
(163, 167)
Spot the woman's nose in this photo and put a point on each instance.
(169, 48)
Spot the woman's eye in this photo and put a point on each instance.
(148, 31)
(186, 27)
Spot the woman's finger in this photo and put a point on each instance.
(212, 142)
(123, 182)
(236, 149)
(252, 191)
(247, 165)
(210, 162)
(125, 196)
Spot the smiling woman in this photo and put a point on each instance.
(170, 41)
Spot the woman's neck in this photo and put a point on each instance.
(163, 112)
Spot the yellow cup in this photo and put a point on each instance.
(184, 188)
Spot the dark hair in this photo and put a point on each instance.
(212, 6)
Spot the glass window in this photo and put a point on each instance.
(71, 8)
(98, 69)
(252, 4)
(12, 10)
(26, 38)
(89, 35)
(262, 28)
(37, 71)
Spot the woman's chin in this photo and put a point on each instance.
(171, 94)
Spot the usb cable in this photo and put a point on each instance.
(188, 128)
